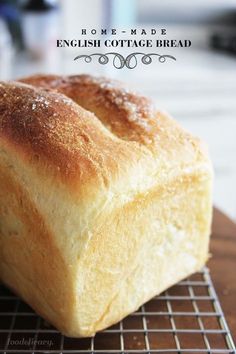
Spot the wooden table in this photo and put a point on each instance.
(223, 265)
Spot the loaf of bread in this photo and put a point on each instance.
(104, 201)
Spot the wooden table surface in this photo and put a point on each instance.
(223, 265)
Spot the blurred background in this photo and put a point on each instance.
(199, 89)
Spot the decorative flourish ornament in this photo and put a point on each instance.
(130, 61)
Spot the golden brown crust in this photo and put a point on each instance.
(53, 131)
(128, 115)
(49, 126)
(112, 191)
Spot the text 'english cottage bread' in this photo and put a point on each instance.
(104, 201)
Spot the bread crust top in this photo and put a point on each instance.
(91, 132)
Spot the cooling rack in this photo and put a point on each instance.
(185, 319)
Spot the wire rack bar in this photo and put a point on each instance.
(213, 351)
(140, 313)
(218, 309)
(134, 330)
(187, 318)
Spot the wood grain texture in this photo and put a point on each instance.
(223, 265)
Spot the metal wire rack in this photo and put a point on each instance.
(185, 319)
